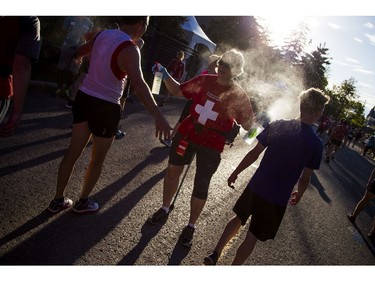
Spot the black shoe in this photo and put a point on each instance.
(187, 236)
(211, 259)
(119, 135)
(158, 217)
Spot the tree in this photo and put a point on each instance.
(296, 43)
(314, 68)
(344, 103)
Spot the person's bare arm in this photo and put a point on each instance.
(21, 78)
(249, 159)
(129, 61)
(302, 185)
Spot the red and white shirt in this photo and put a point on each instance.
(215, 107)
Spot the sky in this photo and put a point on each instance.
(351, 44)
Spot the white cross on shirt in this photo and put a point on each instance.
(205, 112)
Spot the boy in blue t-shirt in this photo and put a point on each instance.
(292, 152)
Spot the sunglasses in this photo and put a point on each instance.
(225, 64)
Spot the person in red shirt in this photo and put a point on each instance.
(176, 69)
(336, 138)
(217, 102)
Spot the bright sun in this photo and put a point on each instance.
(280, 27)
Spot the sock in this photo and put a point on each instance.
(83, 201)
(60, 200)
(192, 225)
(166, 209)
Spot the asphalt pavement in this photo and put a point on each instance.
(315, 232)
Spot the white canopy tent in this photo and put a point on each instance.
(195, 35)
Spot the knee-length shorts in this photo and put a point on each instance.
(265, 217)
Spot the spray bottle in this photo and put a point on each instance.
(262, 121)
(158, 78)
(251, 135)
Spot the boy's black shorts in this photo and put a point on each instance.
(265, 217)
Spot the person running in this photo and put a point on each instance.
(271, 187)
(218, 101)
(361, 205)
(336, 139)
(97, 109)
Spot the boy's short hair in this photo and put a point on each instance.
(312, 100)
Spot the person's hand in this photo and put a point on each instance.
(294, 198)
(163, 129)
(157, 67)
(10, 126)
(232, 179)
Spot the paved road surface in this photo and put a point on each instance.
(315, 232)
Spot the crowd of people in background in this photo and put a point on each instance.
(339, 134)
(214, 104)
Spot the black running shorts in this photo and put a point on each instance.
(102, 116)
(265, 217)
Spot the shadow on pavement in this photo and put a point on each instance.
(28, 226)
(70, 236)
(178, 254)
(316, 183)
(148, 232)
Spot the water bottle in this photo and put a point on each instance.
(156, 84)
(251, 135)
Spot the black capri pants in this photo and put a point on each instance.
(207, 162)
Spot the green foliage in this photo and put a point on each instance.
(344, 103)
(314, 68)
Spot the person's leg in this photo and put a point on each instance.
(196, 207)
(207, 162)
(171, 181)
(245, 249)
(80, 137)
(361, 205)
(231, 229)
(99, 153)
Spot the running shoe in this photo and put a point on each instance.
(158, 217)
(58, 205)
(187, 236)
(83, 208)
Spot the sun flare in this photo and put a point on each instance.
(280, 27)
